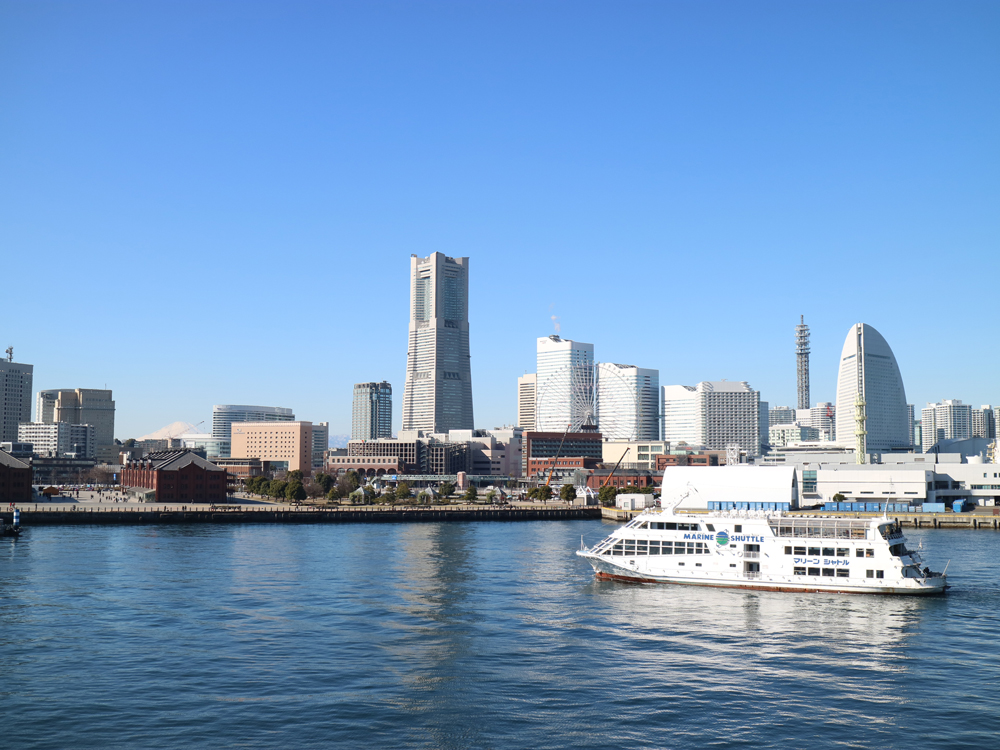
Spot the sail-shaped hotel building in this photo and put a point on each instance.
(868, 366)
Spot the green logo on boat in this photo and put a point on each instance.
(722, 538)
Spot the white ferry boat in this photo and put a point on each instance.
(764, 550)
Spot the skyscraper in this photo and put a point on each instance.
(565, 383)
(868, 367)
(224, 415)
(371, 414)
(437, 396)
(15, 396)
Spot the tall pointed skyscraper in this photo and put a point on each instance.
(438, 392)
(868, 367)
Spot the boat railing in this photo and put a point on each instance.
(751, 555)
(752, 574)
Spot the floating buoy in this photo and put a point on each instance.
(17, 517)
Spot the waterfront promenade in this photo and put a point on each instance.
(91, 508)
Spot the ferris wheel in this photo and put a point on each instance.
(589, 397)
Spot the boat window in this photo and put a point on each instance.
(828, 572)
(687, 527)
(710, 527)
(843, 573)
(663, 525)
(828, 552)
(697, 565)
(617, 549)
(869, 553)
(788, 550)
(879, 574)
(680, 563)
(654, 548)
(732, 565)
(738, 529)
(869, 574)
(814, 551)
(896, 549)
(667, 548)
(798, 571)
(800, 550)
(859, 552)
(843, 552)
(640, 547)
(814, 571)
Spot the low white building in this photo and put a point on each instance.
(697, 486)
(641, 454)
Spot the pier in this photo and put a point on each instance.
(109, 515)
(984, 518)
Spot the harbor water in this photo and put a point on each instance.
(469, 635)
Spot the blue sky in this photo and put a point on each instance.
(215, 202)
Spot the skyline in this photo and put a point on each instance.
(219, 207)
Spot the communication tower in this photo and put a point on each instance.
(802, 361)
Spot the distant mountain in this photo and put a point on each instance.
(172, 430)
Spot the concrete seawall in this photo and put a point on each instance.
(106, 516)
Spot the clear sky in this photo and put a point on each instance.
(215, 202)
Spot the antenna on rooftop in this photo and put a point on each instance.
(10, 353)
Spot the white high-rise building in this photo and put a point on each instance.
(15, 396)
(526, 395)
(681, 422)
(628, 402)
(868, 367)
(437, 396)
(93, 406)
(58, 439)
(564, 382)
(224, 415)
(729, 413)
(714, 415)
(948, 420)
(984, 422)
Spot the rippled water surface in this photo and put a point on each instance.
(459, 635)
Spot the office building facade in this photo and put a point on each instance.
(868, 367)
(225, 415)
(59, 439)
(715, 415)
(283, 443)
(371, 411)
(437, 396)
(15, 396)
(321, 442)
(93, 406)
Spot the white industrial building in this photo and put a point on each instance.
(697, 486)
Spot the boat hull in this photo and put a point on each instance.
(606, 570)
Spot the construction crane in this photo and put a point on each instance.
(605, 482)
(556, 458)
